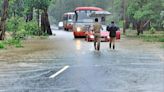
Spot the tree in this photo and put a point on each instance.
(162, 18)
(142, 12)
(42, 5)
(3, 19)
(29, 9)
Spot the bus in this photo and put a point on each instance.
(68, 20)
(83, 21)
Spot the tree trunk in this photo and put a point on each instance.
(38, 17)
(49, 31)
(45, 24)
(3, 19)
(124, 16)
(38, 21)
(29, 15)
(14, 30)
(140, 27)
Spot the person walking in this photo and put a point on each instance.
(97, 35)
(112, 28)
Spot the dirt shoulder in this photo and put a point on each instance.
(30, 48)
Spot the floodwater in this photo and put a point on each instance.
(134, 66)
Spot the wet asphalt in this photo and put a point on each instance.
(121, 70)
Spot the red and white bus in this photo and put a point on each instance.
(68, 20)
(83, 21)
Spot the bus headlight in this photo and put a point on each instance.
(92, 37)
(78, 29)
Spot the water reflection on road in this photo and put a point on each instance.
(120, 70)
(78, 44)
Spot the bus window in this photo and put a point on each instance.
(102, 19)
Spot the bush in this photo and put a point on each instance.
(12, 24)
(120, 24)
(161, 40)
(152, 30)
(32, 28)
(13, 42)
(2, 45)
(16, 26)
(21, 29)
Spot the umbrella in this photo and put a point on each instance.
(100, 14)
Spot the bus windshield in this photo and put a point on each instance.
(83, 16)
(68, 17)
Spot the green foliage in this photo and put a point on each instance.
(12, 24)
(148, 37)
(143, 10)
(162, 18)
(120, 24)
(16, 26)
(152, 30)
(13, 42)
(140, 10)
(0, 6)
(152, 38)
(161, 39)
(32, 28)
(2, 45)
(16, 8)
(41, 4)
(20, 28)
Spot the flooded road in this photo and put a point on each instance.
(64, 64)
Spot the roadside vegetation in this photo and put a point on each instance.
(2, 45)
(148, 36)
(10, 43)
(20, 19)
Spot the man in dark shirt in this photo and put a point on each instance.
(112, 28)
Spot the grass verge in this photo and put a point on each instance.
(147, 36)
(11, 42)
(158, 36)
(2, 46)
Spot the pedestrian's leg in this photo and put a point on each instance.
(114, 42)
(95, 44)
(110, 42)
(98, 43)
(95, 40)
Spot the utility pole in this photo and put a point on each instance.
(124, 17)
